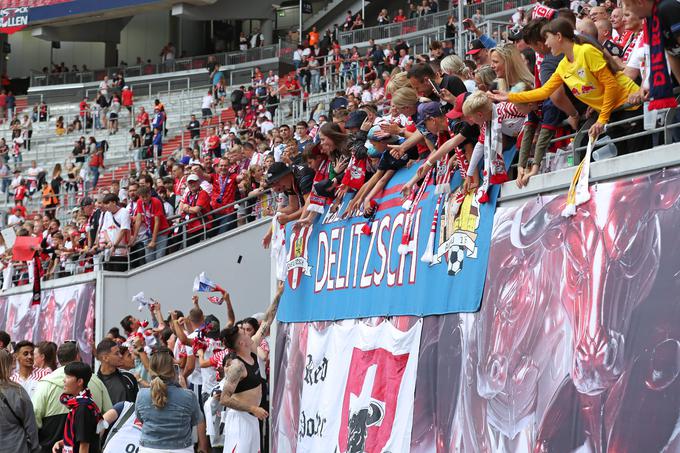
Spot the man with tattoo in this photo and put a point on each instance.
(243, 387)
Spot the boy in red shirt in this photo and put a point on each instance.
(223, 195)
(194, 207)
(150, 216)
(126, 96)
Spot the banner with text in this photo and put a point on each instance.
(358, 388)
(65, 313)
(352, 268)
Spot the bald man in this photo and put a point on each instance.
(587, 27)
(598, 13)
(616, 19)
(604, 30)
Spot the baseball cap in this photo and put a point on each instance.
(355, 119)
(86, 201)
(276, 171)
(193, 177)
(457, 110)
(515, 34)
(475, 46)
(428, 110)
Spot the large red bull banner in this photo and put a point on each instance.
(577, 343)
(356, 389)
(64, 314)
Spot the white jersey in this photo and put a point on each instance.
(125, 433)
(214, 417)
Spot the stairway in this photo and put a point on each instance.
(170, 147)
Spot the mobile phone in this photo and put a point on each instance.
(434, 87)
(613, 48)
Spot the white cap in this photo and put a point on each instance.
(193, 177)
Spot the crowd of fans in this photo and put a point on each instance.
(164, 383)
(560, 69)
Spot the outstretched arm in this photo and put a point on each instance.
(268, 318)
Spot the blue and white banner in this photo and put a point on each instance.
(342, 269)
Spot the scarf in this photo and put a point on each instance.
(82, 399)
(660, 85)
(355, 176)
(579, 192)
(316, 201)
(494, 165)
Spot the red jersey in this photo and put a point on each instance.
(151, 210)
(180, 185)
(202, 199)
(213, 142)
(224, 192)
(20, 193)
(127, 98)
(143, 119)
(84, 107)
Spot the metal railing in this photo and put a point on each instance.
(176, 65)
(439, 19)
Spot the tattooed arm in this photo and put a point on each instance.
(235, 372)
(269, 316)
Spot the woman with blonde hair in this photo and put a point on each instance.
(398, 80)
(511, 71)
(454, 65)
(485, 77)
(17, 425)
(167, 411)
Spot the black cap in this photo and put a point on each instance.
(515, 34)
(86, 201)
(428, 110)
(276, 171)
(356, 119)
(475, 46)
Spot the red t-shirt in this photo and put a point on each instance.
(20, 193)
(127, 98)
(224, 192)
(398, 19)
(151, 210)
(201, 199)
(213, 142)
(143, 119)
(84, 107)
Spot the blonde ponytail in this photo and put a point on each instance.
(162, 369)
(159, 392)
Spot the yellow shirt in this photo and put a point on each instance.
(590, 81)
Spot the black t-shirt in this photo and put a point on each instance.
(121, 385)
(195, 128)
(84, 429)
(303, 179)
(469, 131)
(211, 66)
(669, 18)
(453, 84)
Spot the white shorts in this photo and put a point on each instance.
(241, 433)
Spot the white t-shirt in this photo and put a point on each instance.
(213, 410)
(266, 126)
(112, 225)
(207, 101)
(127, 435)
(272, 80)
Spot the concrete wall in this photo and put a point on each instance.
(144, 36)
(170, 280)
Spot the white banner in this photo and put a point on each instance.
(358, 389)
